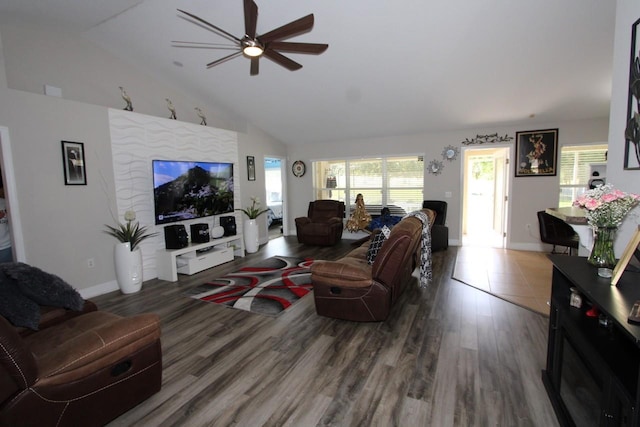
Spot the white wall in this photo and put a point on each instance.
(527, 194)
(85, 72)
(627, 12)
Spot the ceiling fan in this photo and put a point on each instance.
(253, 45)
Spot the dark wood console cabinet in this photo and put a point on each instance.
(593, 363)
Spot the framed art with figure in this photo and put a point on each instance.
(251, 168)
(537, 152)
(73, 163)
(632, 131)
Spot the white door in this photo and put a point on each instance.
(485, 204)
(274, 183)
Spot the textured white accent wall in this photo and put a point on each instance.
(136, 140)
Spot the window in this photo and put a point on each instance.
(382, 181)
(576, 163)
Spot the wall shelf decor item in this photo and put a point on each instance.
(450, 153)
(536, 152)
(172, 109)
(435, 167)
(632, 131)
(251, 168)
(487, 139)
(73, 163)
(298, 168)
(203, 118)
(127, 99)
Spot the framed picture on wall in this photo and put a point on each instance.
(73, 163)
(632, 130)
(536, 152)
(251, 168)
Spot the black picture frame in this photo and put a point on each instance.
(632, 130)
(73, 163)
(536, 153)
(251, 168)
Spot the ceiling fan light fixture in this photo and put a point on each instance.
(252, 48)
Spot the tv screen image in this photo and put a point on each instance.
(184, 190)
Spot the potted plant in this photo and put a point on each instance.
(250, 228)
(127, 255)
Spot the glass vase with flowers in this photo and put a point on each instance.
(605, 208)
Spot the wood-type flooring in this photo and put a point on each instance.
(449, 355)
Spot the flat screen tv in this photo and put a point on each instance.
(185, 190)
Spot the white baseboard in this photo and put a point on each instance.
(101, 289)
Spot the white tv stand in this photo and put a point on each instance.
(197, 257)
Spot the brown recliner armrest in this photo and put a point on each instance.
(303, 220)
(17, 365)
(341, 273)
(334, 220)
(67, 352)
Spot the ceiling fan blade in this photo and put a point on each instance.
(203, 45)
(299, 47)
(250, 18)
(218, 29)
(255, 66)
(224, 59)
(291, 29)
(282, 60)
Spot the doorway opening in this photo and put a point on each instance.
(273, 171)
(485, 204)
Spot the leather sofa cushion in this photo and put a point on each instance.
(81, 345)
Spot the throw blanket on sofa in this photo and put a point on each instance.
(426, 273)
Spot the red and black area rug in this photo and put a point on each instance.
(269, 287)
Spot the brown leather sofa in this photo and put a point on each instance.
(80, 368)
(323, 224)
(352, 289)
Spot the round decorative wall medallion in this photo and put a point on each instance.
(435, 167)
(298, 168)
(450, 153)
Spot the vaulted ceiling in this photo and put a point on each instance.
(392, 67)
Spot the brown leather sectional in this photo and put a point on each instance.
(351, 289)
(80, 368)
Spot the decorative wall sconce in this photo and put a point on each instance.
(435, 167)
(450, 153)
(487, 139)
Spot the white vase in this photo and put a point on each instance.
(128, 268)
(250, 235)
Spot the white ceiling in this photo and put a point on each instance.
(392, 67)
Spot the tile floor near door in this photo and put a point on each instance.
(521, 277)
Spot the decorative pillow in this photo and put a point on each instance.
(374, 247)
(41, 287)
(15, 307)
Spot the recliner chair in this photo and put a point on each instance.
(556, 232)
(323, 224)
(79, 368)
(439, 230)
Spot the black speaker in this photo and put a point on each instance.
(229, 225)
(200, 233)
(175, 236)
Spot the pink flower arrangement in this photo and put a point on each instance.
(606, 206)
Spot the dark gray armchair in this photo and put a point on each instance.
(439, 230)
(556, 232)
